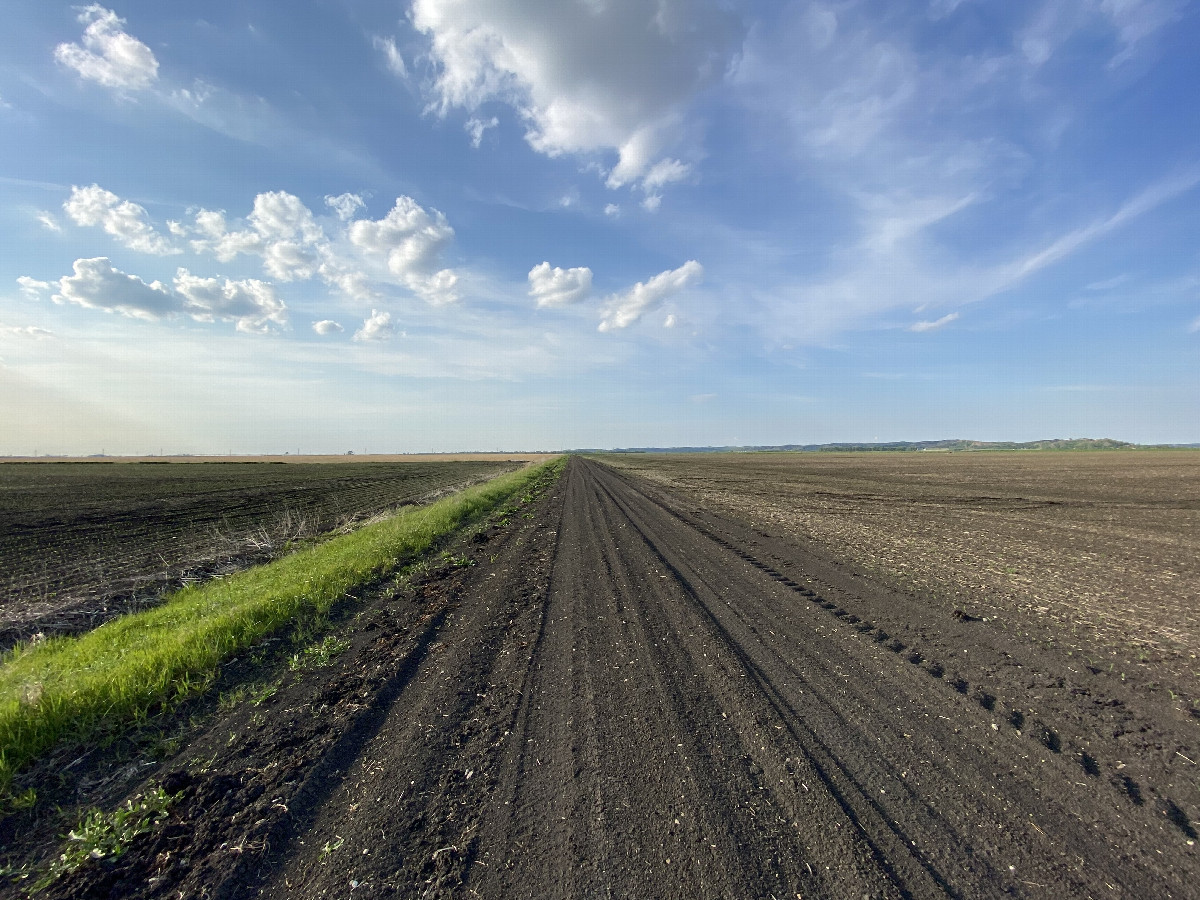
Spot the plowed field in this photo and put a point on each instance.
(633, 695)
(81, 542)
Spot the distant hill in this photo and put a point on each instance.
(903, 446)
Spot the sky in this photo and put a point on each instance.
(441, 225)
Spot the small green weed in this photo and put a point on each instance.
(321, 654)
(332, 846)
(103, 835)
(261, 693)
(459, 562)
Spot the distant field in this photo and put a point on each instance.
(81, 541)
(1097, 548)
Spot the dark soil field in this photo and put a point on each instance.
(625, 690)
(83, 541)
(1094, 554)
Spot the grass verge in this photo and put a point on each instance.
(78, 688)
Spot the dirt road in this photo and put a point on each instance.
(630, 696)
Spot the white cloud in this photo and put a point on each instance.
(280, 216)
(626, 308)
(27, 331)
(124, 220)
(598, 77)
(612, 210)
(345, 205)
(412, 240)
(97, 285)
(108, 55)
(376, 327)
(47, 221)
(1195, 326)
(215, 237)
(476, 128)
(293, 245)
(664, 172)
(283, 232)
(652, 203)
(253, 304)
(935, 324)
(670, 321)
(31, 287)
(558, 287)
(327, 326)
(391, 55)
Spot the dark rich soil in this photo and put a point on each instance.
(634, 695)
(82, 542)
(1097, 553)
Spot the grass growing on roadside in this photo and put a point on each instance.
(77, 688)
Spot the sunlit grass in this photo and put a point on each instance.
(79, 688)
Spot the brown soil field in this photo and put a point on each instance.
(82, 541)
(288, 458)
(624, 690)
(1094, 553)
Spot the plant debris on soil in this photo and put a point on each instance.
(614, 690)
(83, 542)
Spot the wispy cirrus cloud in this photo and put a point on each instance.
(934, 324)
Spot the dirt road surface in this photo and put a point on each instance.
(632, 696)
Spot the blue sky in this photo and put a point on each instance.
(517, 224)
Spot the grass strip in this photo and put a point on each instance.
(76, 688)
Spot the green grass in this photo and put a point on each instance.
(81, 688)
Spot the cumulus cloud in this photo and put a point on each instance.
(935, 324)
(612, 209)
(252, 304)
(558, 287)
(376, 327)
(31, 287)
(613, 77)
(404, 247)
(411, 239)
(124, 220)
(345, 205)
(107, 54)
(327, 326)
(212, 235)
(627, 307)
(97, 285)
